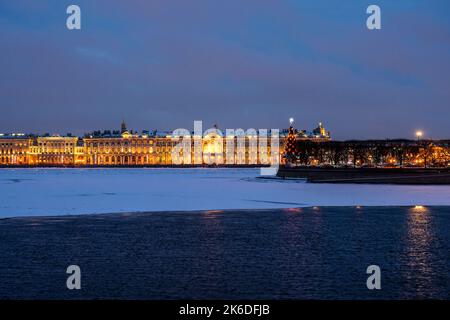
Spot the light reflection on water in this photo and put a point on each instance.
(213, 211)
(293, 210)
(418, 249)
(297, 253)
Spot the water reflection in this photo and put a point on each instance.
(293, 210)
(214, 211)
(418, 249)
(211, 214)
(208, 244)
(297, 253)
(420, 209)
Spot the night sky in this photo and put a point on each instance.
(238, 63)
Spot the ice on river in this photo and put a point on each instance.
(30, 192)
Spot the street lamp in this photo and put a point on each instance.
(291, 121)
(419, 135)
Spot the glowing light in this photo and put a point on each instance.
(293, 210)
(419, 209)
(291, 121)
(419, 134)
(214, 211)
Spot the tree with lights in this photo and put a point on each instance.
(290, 147)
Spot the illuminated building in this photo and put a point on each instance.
(317, 134)
(240, 148)
(14, 149)
(53, 150)
(320, 132)
(127, 148)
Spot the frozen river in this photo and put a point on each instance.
(31, 192)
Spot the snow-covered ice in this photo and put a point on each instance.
(30, 192)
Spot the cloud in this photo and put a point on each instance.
(163, 64)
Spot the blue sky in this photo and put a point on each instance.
(247, 63)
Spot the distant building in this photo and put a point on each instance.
(127, 149)
(317, 134)
(124, 147)
(53, 150)
(320, 132)
(14, 149)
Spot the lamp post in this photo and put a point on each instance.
(419, 135)
(291, 121)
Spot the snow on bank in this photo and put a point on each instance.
(29, 192)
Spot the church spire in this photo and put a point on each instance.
(123, 127)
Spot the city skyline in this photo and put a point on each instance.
(417, 134)
(238, 64)
(224, 159)
(117, 130)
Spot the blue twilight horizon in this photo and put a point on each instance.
(238, 63)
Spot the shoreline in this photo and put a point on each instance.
(293, 210)
(400, 176)
(156, 166)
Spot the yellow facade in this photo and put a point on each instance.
(130, 149)
(234, 150)
(54, 150)
(14, 151)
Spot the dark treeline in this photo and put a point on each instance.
(357, 153)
